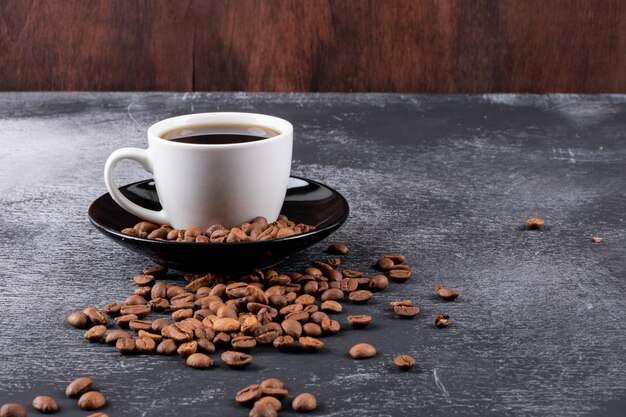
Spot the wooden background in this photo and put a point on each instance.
(316, 45)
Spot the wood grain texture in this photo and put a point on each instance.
(539, 328)
(320, 45)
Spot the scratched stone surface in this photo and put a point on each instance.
(539, 329)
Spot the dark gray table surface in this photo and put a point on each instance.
(539, 328)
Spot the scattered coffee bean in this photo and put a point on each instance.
(442, 320)
(187, 349)
(269, 401)
(144, 345)
(157, 271)
(362, 351)
(404, 362)
(359, 321)
(45, 404)
(96, 317)
(125, 345)
(199, 361)
(112, 309)
(329, 326)
(384, 264)
(378, 283)
(311, 344)
(405, 311)
(92, 400)
(304, 403)
(166, 347)
(597, 239)
(360, 296)
(284, 343)
(399, 275)
(444, 293)
(95, 333)
(124, 321)
(116, 335)
(79, 320)
(13, 410)
(534, 223)
(331, 306)
(263, 410)
(272, 383)
(78, 387)
(338, 249)
(312, 329)
(138, 310)
(249, 395)
(236, 359)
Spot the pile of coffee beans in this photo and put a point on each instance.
(265, 399)
(80, 388)
(256, 230)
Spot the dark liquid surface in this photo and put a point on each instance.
(219, 134)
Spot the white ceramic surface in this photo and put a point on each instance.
(207, 184)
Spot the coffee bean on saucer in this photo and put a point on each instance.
(359, 321)
(79, 320)
(442, 320)
(304, 403)
(338, 249)
(130, 232)
(145, 227)
(13, 410)
(92, 400)
(404, 362)
(45, 404)
(199, 361)
(444, 293)
(236, 359)
(362, 351)
(78, 387)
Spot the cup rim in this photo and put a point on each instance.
(284, 128)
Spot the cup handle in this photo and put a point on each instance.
(141, 156)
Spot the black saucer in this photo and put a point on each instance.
(306, 202)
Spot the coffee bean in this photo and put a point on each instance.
(267, 333)
(166, 347)
(378, 283)
(358, 321)
(112, 309)
(130, 232)
(137, 325)
(159, 304)
(404, 362)
(226, 324)
(292, 328)
(276, 392)
(442, 320)
(92, 400)
(338, 248)
(78, 387)
(311, 344)
(98, 415)
(284, 343)
(125, 346)
(157, 270)
(312, 329)
(406, 311)
(333, 262)
(304, 403)
(597, 239)
(236, 359)
(95, 333)
(95, 316)
(384, 264)
(272, 383)
(124, 321)
(144, 344)
(187, 349)
(329, 326)
(199, 361)
(350, 273)
(349, 284)
(134, 300)
(243, 343)
(182, 314)
(116, 335)
(269, 401)
(534, 223)
(362, 351)
(13, 410)
(159, 290)
(331, 306)
(263, 410)
(401, 303)
(249, 395)
(145, 227)
(399, 275)
(143, 280)
(318, 317)
(138, 310)
(79, 320)
(444, 293)
(360, 296)
(45, 404)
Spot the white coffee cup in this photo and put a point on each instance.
(205, 184)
